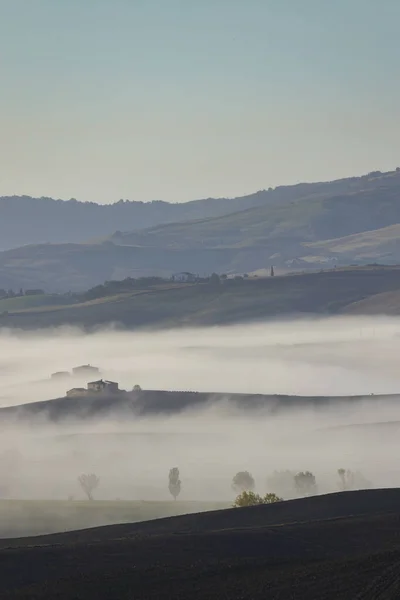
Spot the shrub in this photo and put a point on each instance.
(253, 499)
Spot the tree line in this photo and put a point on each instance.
(286, 483)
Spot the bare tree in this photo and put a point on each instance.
(89, 483)
(243, 482)
(175, 483)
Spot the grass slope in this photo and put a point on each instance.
(368, 244)
(343, 546)
(329, 292)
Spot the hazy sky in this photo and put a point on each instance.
(182, 99)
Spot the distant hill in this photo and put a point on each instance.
(299, 227)
(287, 228)
(27, 220)
(340, 291)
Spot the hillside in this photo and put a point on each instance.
(280, 227)
(285, 228)
(166, 305)
(131, 405)
(26, 220)
(75, 267)
(327, 547)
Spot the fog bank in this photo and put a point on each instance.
(209, 444)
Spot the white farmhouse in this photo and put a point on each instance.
(184, 277)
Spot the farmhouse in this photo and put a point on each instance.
(60, 375)
(184, 277)
(84, 370)
(95, 387)
(103, 386)
(76, 392)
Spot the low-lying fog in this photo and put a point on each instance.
(337, 356)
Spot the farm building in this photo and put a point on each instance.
(84, 370)
(76, 392)
(95, 387)
(184, 277)
(60, 375)
(103, 386)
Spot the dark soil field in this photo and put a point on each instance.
(339, 546)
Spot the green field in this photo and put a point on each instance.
(29, 302)
(356, 291)
(36, 517)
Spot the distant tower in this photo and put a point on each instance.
(272, 271)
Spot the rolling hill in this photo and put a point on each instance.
(342, 545)
(26, 220)
(338, 291)
(281, 227)
(285, 229)
(128, 406)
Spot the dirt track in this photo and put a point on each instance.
(341, 546)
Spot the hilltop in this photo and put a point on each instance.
(342, 545)
(368, 290)
(349, 221)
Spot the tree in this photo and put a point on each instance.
(175, 483)
(271, 498)
(214, 279)
(89, 483)
(346, 479)
(253, 499)
(305, 483)
(350, 480)
(243, 481)
(283, 483)
(137, 388)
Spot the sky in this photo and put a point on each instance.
(179, 99)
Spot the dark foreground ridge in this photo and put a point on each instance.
(344, 545)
